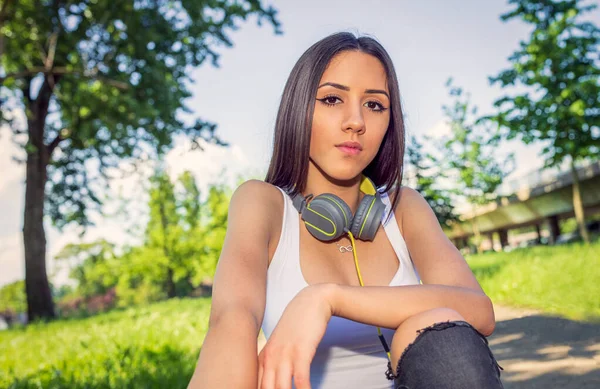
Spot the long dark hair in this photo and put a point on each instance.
(288, 168)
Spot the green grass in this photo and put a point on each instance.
(563, 280)
(151, 347)
(157, 346)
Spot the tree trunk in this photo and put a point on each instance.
(170, 284)
(39, 297)
(476, 231)
(37, 287)
(578, 204)
(171, 291)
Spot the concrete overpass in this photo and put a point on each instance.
(541, 197)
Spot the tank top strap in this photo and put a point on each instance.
(390, 224)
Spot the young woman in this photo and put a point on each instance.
(334, 259)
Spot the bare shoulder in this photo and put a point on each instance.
(260, 201)
(258, 191)
(411, 206)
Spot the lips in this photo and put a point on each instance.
(350, 144)
(351, 148)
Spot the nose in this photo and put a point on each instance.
(354, 120)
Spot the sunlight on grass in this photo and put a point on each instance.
(149, 347)
(562, 280)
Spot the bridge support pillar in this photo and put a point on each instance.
(538, 229)
(554, 228)
(491, 238)
(503, 235)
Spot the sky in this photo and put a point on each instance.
(428, 41)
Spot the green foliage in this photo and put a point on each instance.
(563, 280)
(560, 69)
(188, 232)
(217, 206)
(104, 81)
(427, 174)
(559, 66)
(154, 346)
(101, 83)
(469, 151)
(13, 298)
(92, 266)
(182, 244)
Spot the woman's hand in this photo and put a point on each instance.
(292, 345)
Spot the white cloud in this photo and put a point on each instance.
(214, 164)
(440, 129)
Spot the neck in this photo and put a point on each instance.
(318, 182)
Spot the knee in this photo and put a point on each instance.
(449, 355)
(409, 329)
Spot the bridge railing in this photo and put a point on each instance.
(536, 178)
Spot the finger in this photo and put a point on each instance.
(260, 373)
(284, 375)
(268, 378)
(302, 375)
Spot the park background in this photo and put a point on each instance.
(131, 271)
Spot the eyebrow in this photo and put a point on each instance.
(347, 88)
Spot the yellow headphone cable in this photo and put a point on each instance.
(381, 338)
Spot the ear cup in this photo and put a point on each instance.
(367, 219)
(327, 217)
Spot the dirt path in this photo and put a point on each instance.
(541, 351)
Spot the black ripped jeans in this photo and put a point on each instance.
(449, 355)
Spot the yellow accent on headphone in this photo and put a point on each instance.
(324, 217)
(366, 186)
(339, 206)
(365, 218)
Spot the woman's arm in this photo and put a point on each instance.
(228, 358)
(388, 307)
(447, 279)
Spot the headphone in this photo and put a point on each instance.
(328, 217)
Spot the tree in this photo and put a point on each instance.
(166, 231)
(181, 245)
(182, 241)
(100, 82)
(469, 154)
(560, 62)
(187, 232)
(92, 266)
(215, 211)
(12, 297)
(427, 175)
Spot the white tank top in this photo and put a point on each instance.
(350, 354)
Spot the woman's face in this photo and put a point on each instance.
(351, 115)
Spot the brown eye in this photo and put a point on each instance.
(375, 106)
(330, 100)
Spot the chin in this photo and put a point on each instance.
(341, 172)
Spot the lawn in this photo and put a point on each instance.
(151, 347)
(157, 346)
(563, 280)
